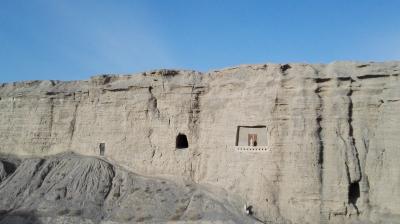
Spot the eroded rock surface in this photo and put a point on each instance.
(69, 188)
(332, 130)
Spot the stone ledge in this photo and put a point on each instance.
(252, 148)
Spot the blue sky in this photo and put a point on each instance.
(71, 39)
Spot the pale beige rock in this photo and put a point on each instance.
(332, 129)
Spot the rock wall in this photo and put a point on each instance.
(332, 132)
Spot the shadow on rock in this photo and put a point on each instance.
(20, 217)
(9, 166)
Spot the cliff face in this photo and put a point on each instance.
(332, 132)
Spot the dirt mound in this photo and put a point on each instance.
(70, 188)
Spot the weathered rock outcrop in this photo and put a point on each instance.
(332, 132)
(69, 188)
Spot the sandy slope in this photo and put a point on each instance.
(69, 188)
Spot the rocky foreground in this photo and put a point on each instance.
(69, 188)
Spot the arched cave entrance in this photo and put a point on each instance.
(181, 141)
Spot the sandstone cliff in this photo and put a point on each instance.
(332, 132)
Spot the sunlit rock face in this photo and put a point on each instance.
(328, 134)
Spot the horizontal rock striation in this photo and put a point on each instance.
(332, 132)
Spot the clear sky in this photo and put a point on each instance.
(75, 39)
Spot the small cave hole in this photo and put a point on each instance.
(102, 148)
(181, 141)
(354, 192)
(285, 67)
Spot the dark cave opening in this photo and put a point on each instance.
(181, 141)
(354, 192)
(102, 148)
(285, 67)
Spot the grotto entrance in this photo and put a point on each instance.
(354, 192)
(181, 141)
(251, 136)
(102, 148)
